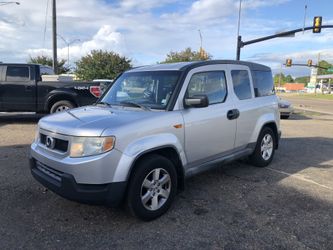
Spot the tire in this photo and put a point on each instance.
(265, 148)
(148, 200)
(284, 116)
(61, 106)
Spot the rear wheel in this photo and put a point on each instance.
(152, 187)
(265, 148)
(61, 106)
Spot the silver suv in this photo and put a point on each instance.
(156, 126)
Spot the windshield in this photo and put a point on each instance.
(150, 89)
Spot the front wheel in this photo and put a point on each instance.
(61, 106)
(152, 187)
(265, 148)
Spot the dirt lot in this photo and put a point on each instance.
(288, 205)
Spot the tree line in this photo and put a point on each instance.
(108, 64)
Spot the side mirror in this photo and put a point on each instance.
(197, 101)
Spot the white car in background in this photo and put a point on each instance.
(285, 108)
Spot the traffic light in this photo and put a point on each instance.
(289, 62)
(309, 62)
(317, 24)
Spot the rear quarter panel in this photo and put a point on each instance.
(267, 112)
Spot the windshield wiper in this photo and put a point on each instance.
(104, 103)
(134, 104)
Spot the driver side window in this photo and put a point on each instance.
(212, 84)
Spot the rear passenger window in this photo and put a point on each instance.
(213, 84)
(242, 86)
(263, 83)
(17, 74)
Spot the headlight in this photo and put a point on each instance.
(282, 105)
(87, 146)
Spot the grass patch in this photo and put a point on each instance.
(318, 96)
(306, 112)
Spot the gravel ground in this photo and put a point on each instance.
(288, 205)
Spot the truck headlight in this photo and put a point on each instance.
(283, 105)
(88, 146)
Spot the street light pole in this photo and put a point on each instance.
(239, 38)
(10, 2)
(241, 44)
(68, 43)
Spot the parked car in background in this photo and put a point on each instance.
(22, 89)
(285, 108)
(156, 126)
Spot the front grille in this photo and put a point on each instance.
(60, 145)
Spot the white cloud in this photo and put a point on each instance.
(253, 4)
(143, 4)
(210, 9)
(105, 39)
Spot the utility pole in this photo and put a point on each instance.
(239, 38)
(200, 51)
(54, 37)
(200, 39)
(317, 74)
(280, 76)
(305, 9)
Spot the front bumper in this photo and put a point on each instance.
(286, 111)
(65, 185)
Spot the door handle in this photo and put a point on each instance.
(233, 114)
(28, 88)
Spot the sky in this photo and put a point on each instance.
(146, 30)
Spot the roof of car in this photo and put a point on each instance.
(189, 65)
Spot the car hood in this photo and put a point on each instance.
(91, 120)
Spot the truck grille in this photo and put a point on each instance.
(60, 145)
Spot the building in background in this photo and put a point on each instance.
(294, 87)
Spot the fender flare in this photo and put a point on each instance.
(261, 122)
(145, 145)
(65, 93)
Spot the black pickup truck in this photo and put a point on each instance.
(22, 90)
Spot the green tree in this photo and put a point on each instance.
(277, 79)
(289, 79)
(324, 64)
(101, 64)
(303, 79)
(282, 79)
(46, 60)
(187, 55)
